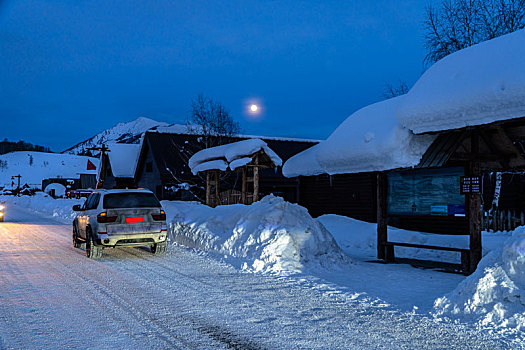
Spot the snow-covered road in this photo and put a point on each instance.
(52, 296)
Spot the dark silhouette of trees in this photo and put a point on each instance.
(212, 120)
(8, 146)
(457, 24)
(395, 90)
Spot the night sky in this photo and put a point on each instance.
(70, 69)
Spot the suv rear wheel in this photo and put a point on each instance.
(159, 248)
(76, 242)
(92, 251)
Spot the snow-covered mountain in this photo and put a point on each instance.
(119, 132)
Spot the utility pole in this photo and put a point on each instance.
(18, 185)
(103, 149)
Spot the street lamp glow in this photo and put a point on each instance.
(254, 108)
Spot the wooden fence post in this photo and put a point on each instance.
(474, 215)
(256, 180)
(217, 199)
(244, 175)
(382, 234)
(208, 189)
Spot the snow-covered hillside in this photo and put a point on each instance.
(119, 132)
(36, 166)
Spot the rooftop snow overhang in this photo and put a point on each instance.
(479, 85)
(232, 155)
(369, 140)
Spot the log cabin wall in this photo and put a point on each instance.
(352, 195)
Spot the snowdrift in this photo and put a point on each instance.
(494, 295)
(60, 208)
(270, 236)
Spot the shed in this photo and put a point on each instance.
(246, 157)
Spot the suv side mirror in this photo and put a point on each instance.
(77, 207)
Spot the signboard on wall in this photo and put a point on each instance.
(470, 184)
(425, 192)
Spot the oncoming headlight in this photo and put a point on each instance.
(2, 207)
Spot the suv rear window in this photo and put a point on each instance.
(130, 200)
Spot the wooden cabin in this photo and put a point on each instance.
(438, 150)
(163, 168)
(118, 164)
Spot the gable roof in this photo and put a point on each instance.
(123, 158)
(173, 151)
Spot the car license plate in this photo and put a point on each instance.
(134, 219)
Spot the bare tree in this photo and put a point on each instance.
(457, 24)
(393, 91)
(212, 120)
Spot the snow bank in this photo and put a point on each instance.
(271, 235)
(481, 84)
(230, 153)
(371, 139)
(359, 239)
(494, 295)
(60, 208)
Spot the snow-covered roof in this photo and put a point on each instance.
(371, 139)
(196, 130)
(123, 158)
(229, 153)
(481, 84)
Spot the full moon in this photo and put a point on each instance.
(254, 108)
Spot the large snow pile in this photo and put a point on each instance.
(494, 295)
(268, 236)
(477, 85)
(36, 166)
(119, 132)
(233, 155)
(371, 139)
(58, 190)
(123, 158)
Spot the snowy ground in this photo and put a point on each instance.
(37, 166)
(277, 242)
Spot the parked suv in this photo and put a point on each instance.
(112, 218)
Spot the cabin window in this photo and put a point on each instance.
(149, 167)
(426, 192)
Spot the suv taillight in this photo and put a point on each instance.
(104, 218)
(159, 217)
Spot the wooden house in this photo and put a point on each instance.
(162, 164)
(436, 152)
(118, 163)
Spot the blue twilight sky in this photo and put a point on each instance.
(70, 69)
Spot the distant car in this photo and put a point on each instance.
(113, 218)
(79, 193)
(2, 207)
